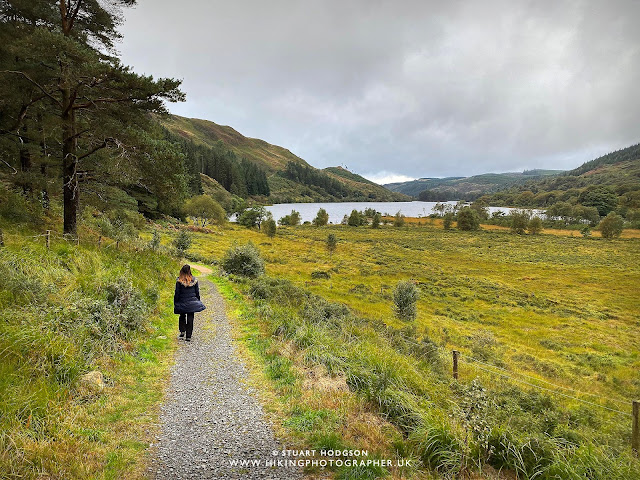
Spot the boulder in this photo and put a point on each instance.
(92, 381)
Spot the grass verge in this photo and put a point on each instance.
(65, 312)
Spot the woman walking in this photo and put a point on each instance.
(186, 301)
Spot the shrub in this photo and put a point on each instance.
(447, 220)
(519, 221)
(468, 219)
(182, 242)
(322, 218)
(356, 219)
(244, 260)
(320, 274)
(270, 228)
(611, 226)
(127, 306)
(375, 220)
(332, 243)
(405, 296)
(292, 219)
(481, 209)
(205, 209)
(154, 243)
(398, 220)
(535, 226)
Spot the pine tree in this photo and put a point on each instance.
(60, 57)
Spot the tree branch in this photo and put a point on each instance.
(104, 144)
(74, 15)
(93, 103)
(40, 87)
(7, 164)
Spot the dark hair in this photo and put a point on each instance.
(185, 277)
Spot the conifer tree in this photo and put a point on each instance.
(60, 57)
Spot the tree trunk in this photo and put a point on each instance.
(69, 165)
(25, 163)
(43, 165)
(25, 167)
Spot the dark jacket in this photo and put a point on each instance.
(187, 298)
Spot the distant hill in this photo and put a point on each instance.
(465, 188)
(610, 182)
(304, 183)
(270, 157)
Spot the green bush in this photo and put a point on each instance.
(535, 225)
(468, 219)
(611, 225)
(519, 221)
(182, 242)
(244, 260)
(292, 219)
(282, 292)
(356, 219)
(270, 228)
(332, 243)
(154, 243)
(398, 220)
(320, 275)
(405, 296)
(447, 220)
(322, 218)
(318, 310)
(375, 220)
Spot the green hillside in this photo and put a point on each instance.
(270, 157)
(465, 188)
(610, 182)
(285, 186)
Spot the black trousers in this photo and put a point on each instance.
(185, 323)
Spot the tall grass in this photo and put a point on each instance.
(452, 427)
(63, 312)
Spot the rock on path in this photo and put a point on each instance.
(212, 426)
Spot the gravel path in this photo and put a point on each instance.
(210, 418)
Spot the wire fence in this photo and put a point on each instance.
(50, 235)
(515, 379)
(513, 376)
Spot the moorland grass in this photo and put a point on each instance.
(560, 310)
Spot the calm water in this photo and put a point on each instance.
(337, 211)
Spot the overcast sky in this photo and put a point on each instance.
(404, 88)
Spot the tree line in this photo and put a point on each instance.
(238, 176)
(316, 179)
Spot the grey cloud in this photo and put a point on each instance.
(424, 88)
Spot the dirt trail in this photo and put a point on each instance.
(212, 425)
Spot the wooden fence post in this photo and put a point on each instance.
(48, 239)
(455, 364)
(635, 428)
